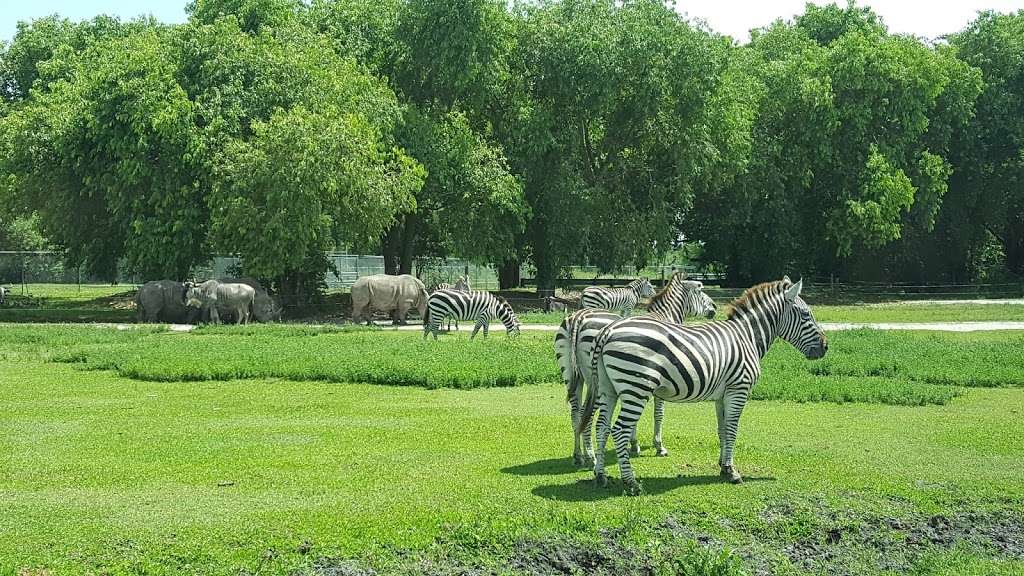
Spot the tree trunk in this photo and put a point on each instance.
(545, 278)
(408, 244)
(391, 248)
(508, 275)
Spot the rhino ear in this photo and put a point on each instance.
(793, 291)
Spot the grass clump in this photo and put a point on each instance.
(335, 355)
(991, 359)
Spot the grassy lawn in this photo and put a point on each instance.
(116, 460)
(55, 303)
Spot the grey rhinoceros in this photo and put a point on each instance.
(265, 308)
(164, 301)
(213, 296)
(387, 293)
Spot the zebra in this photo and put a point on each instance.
(636, 358)
(462, 285)
(574, 340)
(624, 299)
(479, 305)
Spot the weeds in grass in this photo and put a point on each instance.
(900, 368)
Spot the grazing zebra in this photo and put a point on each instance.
(574, 342)
(624, 299)
(475, 305)
(462, 285)
(636, 358)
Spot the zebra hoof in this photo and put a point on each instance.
(601, 480)
(661, 452)
(730, 474)
(632, 488)
(579, 460)
(635, 450)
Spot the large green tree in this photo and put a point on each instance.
(988, 186)
(622, 113)
(850, 147)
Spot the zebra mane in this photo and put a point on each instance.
(746, 301)
(679, 275)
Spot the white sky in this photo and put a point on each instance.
(925, 18)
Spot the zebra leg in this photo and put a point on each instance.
(733, 402)
(604, 407)
(659, 415)
(720, 414)
(634, 444)
(630, 410)
(574, 413)
(476, 328)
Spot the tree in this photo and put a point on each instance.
(610, 122)
(988, 186)
(102, 153)
(850, 149)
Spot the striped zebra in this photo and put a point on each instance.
(636, 358)
(462, 285)
(574, 341)
(624, 299)
(474, 305)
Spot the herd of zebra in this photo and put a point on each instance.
(622, 360)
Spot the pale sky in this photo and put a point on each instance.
(926, 18)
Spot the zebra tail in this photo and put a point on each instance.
(594, 387)
(574, 371)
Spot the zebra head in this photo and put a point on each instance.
(642, 287)
(798, 326)
(706, 306)
(695, 301)
(508, 316)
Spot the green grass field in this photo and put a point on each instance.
(275, 450)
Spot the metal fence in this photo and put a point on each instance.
(19, 270)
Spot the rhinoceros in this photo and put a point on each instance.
(212, 296)
(164, 301)
(386, 293)
(265, 308)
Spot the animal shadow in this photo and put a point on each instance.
(585, 490)
(546, 467)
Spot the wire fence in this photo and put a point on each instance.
(21, 270)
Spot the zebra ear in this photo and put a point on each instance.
(786, 279)
(793, 291)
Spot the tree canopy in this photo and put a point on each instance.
(550, 133)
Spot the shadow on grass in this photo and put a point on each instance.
(550, 466)
(586, 491)
(563, 465)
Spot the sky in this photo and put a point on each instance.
(925, 18)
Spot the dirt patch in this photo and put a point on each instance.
(608, 555)
(844, 542)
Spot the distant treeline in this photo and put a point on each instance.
(552, 133)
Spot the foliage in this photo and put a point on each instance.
(548, 133)
(989, 186)
(603, 125)
(845, 153)
(855, 372)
